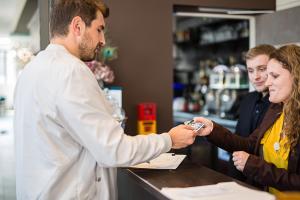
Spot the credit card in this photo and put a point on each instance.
(195, 125)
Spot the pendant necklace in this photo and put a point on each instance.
(276, 146)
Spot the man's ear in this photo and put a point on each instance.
(77, 26)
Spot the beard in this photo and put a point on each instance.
(87, 51)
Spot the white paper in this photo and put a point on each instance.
(164, 161)
(220, 191)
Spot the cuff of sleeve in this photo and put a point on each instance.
(251, 166)
(216, 128)
(251, 169)
(168, 141)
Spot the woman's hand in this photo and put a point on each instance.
(240, 158)
(208, 126)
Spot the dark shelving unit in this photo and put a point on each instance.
(203, 43)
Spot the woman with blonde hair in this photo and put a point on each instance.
(270, 156)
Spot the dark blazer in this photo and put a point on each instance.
(251, 112)
(256, 168)
(247, 123)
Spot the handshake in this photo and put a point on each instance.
(184, 135)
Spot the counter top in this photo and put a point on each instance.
(186, 175)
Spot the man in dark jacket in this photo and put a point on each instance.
(255, 104)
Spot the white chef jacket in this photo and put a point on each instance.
(67, 142)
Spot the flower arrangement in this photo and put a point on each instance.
(102, 72)
(24, 55)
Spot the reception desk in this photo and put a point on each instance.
(136, 184)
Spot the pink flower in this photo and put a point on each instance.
(101, 72)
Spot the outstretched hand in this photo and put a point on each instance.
(208, 126)
(182, 136)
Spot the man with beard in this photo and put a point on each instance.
(256, 103)
(68, 145)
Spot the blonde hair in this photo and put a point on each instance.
(263, 49)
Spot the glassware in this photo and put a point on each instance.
(118, 112)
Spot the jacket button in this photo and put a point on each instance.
(98, 179)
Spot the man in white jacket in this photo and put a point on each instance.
(67, 142)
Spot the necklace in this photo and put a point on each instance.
(276, 146)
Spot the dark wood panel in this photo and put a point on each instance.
(142, 30)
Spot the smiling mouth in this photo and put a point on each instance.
(259, 84)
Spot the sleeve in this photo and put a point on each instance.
(268, 174)
(85, 114)
(230, 142)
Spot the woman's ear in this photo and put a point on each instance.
(77, 26)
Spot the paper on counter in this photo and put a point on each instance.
(164, 161)
(220, 191)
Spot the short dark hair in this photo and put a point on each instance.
(263, 49)
(63, 11)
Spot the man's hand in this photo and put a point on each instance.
(240, 158)
(208, 126)
(182, 136)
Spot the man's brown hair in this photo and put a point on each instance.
(263, 49)
(63, 11)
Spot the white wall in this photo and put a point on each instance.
(286, 4)
(280, 27)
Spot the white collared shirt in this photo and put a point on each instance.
(67, 142)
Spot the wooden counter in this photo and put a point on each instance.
(136, 184)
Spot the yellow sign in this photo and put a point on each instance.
(146, 127)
